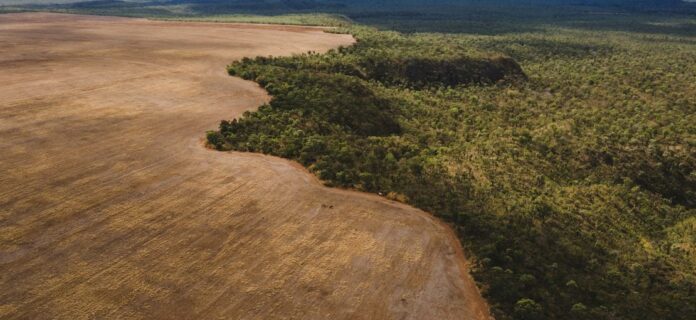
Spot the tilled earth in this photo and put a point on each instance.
(110, 206)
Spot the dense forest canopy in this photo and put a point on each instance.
(572, 185)
(574, 189)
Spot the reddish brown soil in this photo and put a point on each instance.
(110, 207)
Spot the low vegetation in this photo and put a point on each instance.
(573, 187)
(305, 19)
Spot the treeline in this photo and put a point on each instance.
(573, 190)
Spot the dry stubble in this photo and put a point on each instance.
(110, 207)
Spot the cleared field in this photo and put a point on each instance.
(110, 206)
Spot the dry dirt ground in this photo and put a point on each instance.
(110, 206)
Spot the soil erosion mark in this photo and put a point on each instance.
(111, 208)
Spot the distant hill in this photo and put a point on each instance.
(20, 2)
(44, 2)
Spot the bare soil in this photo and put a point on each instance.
(110, 206)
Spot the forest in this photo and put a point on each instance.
(563, 157)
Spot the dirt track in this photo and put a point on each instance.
(110, 207)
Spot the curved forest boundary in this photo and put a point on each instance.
(110, 206)
(572, 187)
